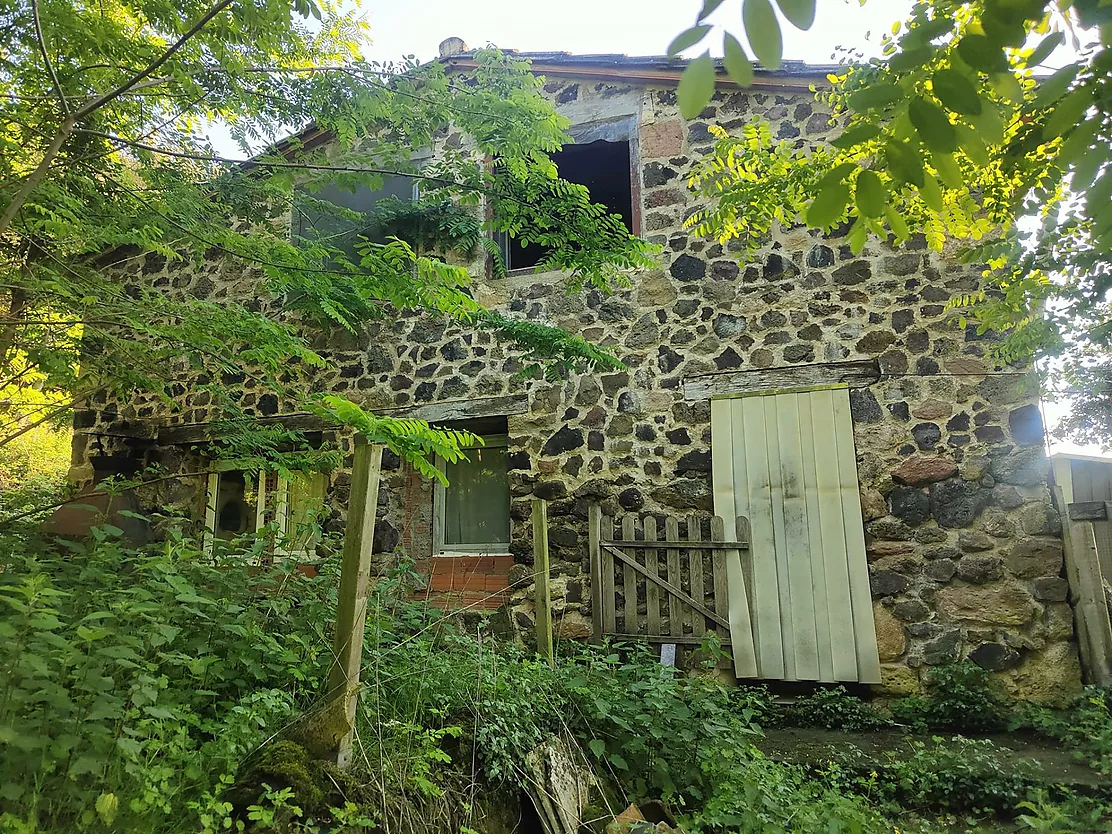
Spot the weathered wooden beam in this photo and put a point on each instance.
(665, 544)
(856, 373)
(1090, 511)
(542, 591)
(1094, 627)
(442, 412)
(355, 581)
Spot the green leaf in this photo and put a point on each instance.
(989, 125)
(1007, 86)
(933, 126)
(1047, 45)
(1053, 88)
(736, 61)
(762, 29)
(948, 170)
(708, 8)
(1068, 112)
(869, 195)
(971, 143)
(688, 38)
(1078, 142)
(982, 54)
(909, 59)
(932, 194)
(904, 162)
(874, 97)
(618, 761)
(829, 205)
(957, 92)
(696, 86)
(896, 223)
(597, 746)
(858, 236)
(801, 13)
(855, 135)
(932, 29)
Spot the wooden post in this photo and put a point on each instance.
(355, 579)
(594, 523)
(542, 592)
(1094, 629)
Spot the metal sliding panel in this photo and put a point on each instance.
(786, 461)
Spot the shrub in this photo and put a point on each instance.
(834, 709)
(961, 696)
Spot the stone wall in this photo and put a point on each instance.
(963, 543)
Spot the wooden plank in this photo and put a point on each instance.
(1094, 628)
(856, 373)
(723, 480)
(675, 608)
(815, 549)
(631, 563)
(1090, 511)
(438, 412)
(351, 603)
(724, 600)
(773, 442)
(864, 628)
(594, 537)
(797, 551)
(741, 626)
(652, 589)
(662, 544)
(752, 477)
(832, 535)
(609, 594)
(696, 580)
(542, 595)
(680, 640)
(629, 577)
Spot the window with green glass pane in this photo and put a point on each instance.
(473, 512)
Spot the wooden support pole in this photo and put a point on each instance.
(1094, 628)
(594, 523)
(542, 592)
(355, 580)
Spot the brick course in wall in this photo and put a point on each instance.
(963, 543)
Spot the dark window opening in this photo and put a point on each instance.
(314, 224)
(604, 168)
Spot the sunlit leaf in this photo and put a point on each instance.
(933, 126)
(956, 91)
(982, 54)
(869, 194)
(696, 86)
(1046, 46)
(1054, 87)
(910, 59)
(762, 30)
(829, 204)
(971, 143)
(855, 136)
(736, 61)
(801, 13)
(947, 169)
(1068, 112)
(688, 38)
(708, 8)
(874, 97)
(931, 194)
(904, 162)
(896, 222)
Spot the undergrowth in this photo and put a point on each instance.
(160, 689)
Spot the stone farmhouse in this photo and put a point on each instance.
(829, 397)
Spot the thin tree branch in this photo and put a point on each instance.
(96, 104)
(46, 57)
(50, 415)
(31, 183)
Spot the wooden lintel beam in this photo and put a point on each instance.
(1090, 511)
(856, 373)
(441, 412)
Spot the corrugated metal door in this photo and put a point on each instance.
(786, 462)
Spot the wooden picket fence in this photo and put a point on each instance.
(662, 583)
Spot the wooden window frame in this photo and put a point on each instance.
(439, 548)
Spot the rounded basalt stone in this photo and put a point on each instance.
(687, 268)
(909, 504)
(863, 406)
(799, 353)
(996, 657)
(1026, 425)
(927, 435)
(978, 570)
(956, 503)
(550, 490)
(911, 610)
(567, 439)
(668, 359)
(628, 403)
(724, 270)
(820, 256)
(699, 461)
(631, 499)
(887, 583)
(1025, 467)
(942, 649)
(941, 570)
(726, 325)
(1051, 589)
(596, 441)
(1035, 557)
(518, 459)
(645, 432)
(728, 359)
(386, 537)
(679, 437)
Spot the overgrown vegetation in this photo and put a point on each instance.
(160, 689)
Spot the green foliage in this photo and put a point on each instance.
(107, 176)
(1084, 726)
(970, 140)
(961, 696)
(832, 708)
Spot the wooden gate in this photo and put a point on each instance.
(669, 583)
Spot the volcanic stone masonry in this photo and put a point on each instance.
(963, 543)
